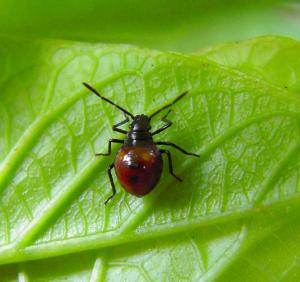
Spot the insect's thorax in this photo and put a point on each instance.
(138, 138)
(139, 134)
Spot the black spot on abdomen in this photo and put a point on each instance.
(133, 178)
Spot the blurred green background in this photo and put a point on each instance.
(184, 26)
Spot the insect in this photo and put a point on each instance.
(138, 163)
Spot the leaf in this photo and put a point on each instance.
(242, 193)
(271, 59)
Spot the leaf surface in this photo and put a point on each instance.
(242, 192)
(272, 59)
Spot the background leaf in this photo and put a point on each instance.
(226, 220)
(168, 25)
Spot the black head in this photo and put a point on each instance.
(140, 123)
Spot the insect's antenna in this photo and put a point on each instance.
(169, 105)
(107, 100)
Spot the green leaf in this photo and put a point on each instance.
(271, 59)
(235, 207)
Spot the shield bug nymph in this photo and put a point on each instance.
(138, 163)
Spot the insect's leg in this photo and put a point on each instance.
(167, 124)
(115, 127)
(176, 147)
(170, 163)
(113, 188)
(109, 146)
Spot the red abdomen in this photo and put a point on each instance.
(138, 168)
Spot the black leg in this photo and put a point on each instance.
(170, 163)
(115, 127)
(111, 183)
(167, 124)
(109, 146)
(177, 147)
